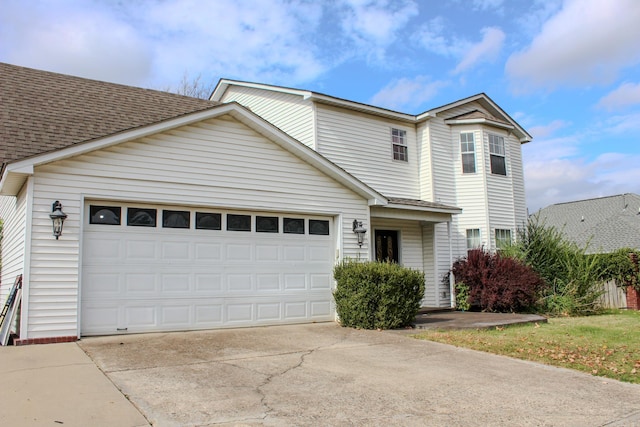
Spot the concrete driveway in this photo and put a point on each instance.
(322, 374)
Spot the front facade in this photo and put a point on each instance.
(465, 154)
(186, 214)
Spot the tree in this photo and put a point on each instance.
(193, 87)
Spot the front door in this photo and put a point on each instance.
(387, 246)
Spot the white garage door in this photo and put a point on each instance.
(148, 268)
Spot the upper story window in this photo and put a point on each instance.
(399, 141)
(468, 150)
(503, 238)
(496, 150)
(473, 238)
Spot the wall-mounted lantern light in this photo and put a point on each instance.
(359, 230)
(57, 217)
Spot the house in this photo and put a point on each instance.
(601, 225)
(465, 154)
(190, 214)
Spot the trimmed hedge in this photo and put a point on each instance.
(376, 295)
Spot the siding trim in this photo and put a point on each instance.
(24, 309)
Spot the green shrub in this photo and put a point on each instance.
(375, 295)
(462, 296)
(571, 276)
(618, 266)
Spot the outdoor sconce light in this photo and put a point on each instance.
(359, 230)
(57, 217)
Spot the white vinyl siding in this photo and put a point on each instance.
(425, 161)
(431, 278)
(360, 144)
(216, 163)
(13, 215)
(291, 113)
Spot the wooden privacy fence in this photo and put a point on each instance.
(613, 296)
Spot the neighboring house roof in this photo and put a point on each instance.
(42, 111)
(604, 224)
(46, 117)
(482, 98)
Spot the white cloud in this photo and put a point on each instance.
(484, 51)
(266, 41)
(73, 40)
(407, 93)
(622, 124)
(557, 169)
(431, 37)
(483, 5)
(563, 180)
(544, 131)
(587, 42)
(374, 24)
(127, 42)
(625, 95)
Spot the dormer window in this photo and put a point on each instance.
(399, 141)
(496, 150)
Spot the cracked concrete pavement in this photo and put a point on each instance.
(322, 374)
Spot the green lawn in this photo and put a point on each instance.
(606, 345)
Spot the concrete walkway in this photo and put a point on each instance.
(448, 319)
(59, 385)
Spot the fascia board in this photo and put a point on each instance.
(223, 84)
(351, 105)
(479, 121)
(452, 211)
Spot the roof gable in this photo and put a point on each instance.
(76, 116)
(43, 111)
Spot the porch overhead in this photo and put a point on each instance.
(415, 210)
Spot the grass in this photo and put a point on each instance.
(606, 345)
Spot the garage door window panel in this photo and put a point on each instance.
(293, 225)
(208, 221)
(267, 224)
(318, 227)
(107, 215)
(141, 217)
(238, 222)
(176, 219)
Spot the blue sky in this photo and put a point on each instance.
(567, 71)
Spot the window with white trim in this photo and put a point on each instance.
(399, 142)
(503, 238)
(497, 154)
(467, 148)
(473, 238)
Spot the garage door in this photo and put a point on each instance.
(151, 268)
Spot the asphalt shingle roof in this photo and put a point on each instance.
(605, 224)
(42, 111)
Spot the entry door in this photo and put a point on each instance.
(387, 246)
